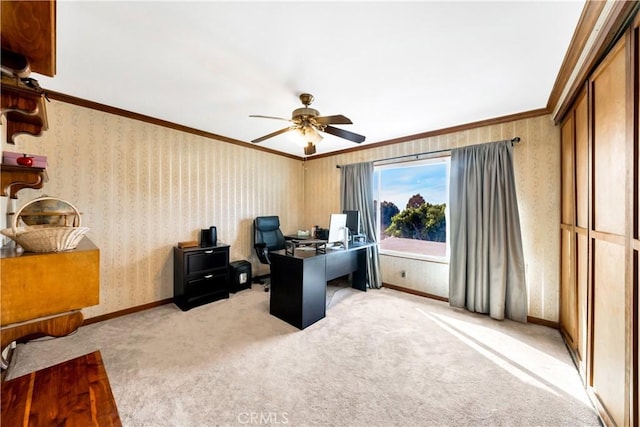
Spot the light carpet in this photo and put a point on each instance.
(380, 358)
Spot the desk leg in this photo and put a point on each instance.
(298, 290)
(359, 277)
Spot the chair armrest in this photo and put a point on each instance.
(262, 252)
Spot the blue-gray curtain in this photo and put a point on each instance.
(356, 193)
(486, 268)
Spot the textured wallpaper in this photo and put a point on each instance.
(142, 188)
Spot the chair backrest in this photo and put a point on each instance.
(266, 229)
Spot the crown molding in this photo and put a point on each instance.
(443, 131)
(159, 122)
(600, 25)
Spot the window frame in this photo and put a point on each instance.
(434, 158)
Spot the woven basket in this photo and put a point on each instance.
(46, 238)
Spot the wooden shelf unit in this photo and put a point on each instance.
(24, 108)
(15, 178)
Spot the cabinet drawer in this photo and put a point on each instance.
(205, 260)
(206, 284)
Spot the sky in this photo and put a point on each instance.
(399, 184)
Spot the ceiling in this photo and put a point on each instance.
(394, 68)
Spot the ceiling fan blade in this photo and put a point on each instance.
(271, 135)
(338, 119)
(269, 117)
(353, 137)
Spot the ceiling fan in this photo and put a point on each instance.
(308, 122)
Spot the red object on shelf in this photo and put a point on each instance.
(9, 158)
(25, 160)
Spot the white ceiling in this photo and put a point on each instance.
(394, 68)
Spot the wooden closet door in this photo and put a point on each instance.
(607, 236)
(581, 229)
(635, 226)
(602, 255)
(568, 291)
(574, 229)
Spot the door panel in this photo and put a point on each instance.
(582, 271)
(609, 144)
(609, 328)
(581, 163)
(568, 297)
(581, 266)
(567, 172)
(636, 282)
(636, 227)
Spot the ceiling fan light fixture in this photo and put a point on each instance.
(310, 134)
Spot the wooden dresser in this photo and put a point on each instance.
(42, 293)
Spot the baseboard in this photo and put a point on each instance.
(530, 319)
(543, 322)
(127, 311)
(414, 292)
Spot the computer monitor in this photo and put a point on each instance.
(337, 228)
(353, 221)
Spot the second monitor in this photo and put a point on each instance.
(353, 221)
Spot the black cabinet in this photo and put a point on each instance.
(298, 288)
(200, 275)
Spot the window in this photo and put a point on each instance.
(411, 208)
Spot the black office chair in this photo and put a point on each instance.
(267, 237)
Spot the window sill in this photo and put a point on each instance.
(417, 257)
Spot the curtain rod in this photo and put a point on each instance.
(514, 140)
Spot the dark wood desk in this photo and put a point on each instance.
(299, 281)
(73, 393)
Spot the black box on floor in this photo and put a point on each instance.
(240, 275)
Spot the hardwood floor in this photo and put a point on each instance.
(72, 393)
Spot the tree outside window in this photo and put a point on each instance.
(412, 215)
